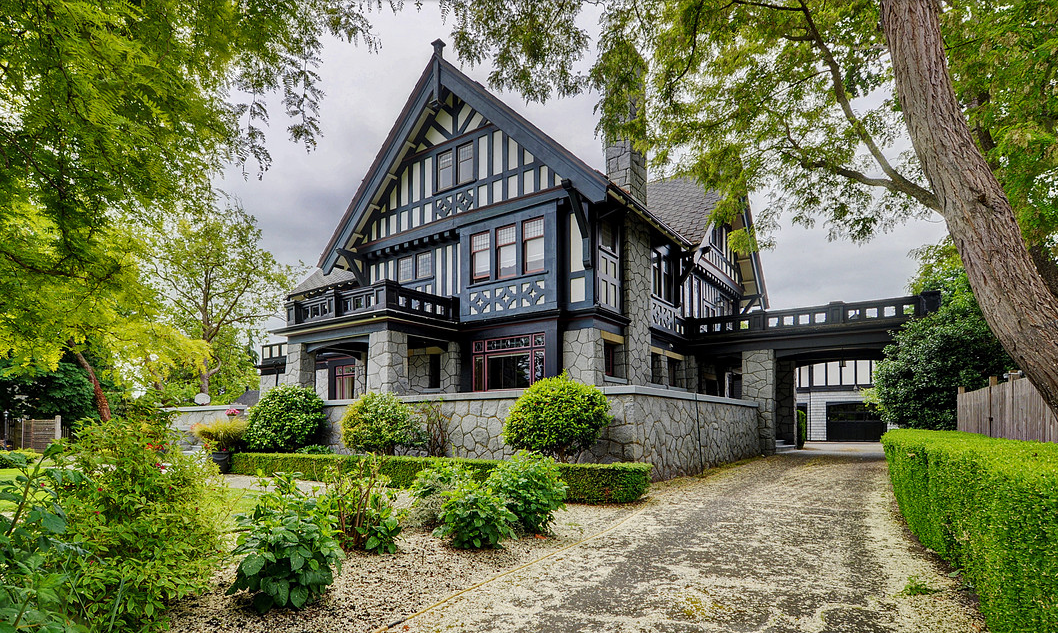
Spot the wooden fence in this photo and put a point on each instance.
(35, 434)
(1014, 410)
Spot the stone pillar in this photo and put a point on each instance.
(450, 369)
(635, 272)
(583, 356)
(758, 385)
(691, 379)
(785, 402)
(301, 366)
(627, 168)
(387, 362)
(659, 370)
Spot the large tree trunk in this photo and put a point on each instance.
(1015, 299)
(102, 405)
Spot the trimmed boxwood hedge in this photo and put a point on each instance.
(990, 507)
(588, 483)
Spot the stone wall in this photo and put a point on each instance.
(758, 385)
(680, 433)
(582, 356)
(187, 416)
(635, 271)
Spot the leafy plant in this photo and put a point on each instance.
(363, 506)
(220, 434)
(436, 422)
(315, 449)
(34, 580)
(557, 416)
(533, 488)
(378, 422)
(802, 428)
(291, 552)
(287, 418)
(917, 587)
(152, 532)
(427, 491)
(475, 517)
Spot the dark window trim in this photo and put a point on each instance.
(496, 249)
(480, 350)
(453, 151)
(525, 242)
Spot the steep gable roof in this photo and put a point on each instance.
(682, 204)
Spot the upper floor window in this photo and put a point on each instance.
(662, 280)
(405, 269)
(480, 266)
(419, 266)
(533, 245)
(608, 237)
(455, 167)
(506, 252)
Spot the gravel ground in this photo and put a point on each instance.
(806, 541)
(374, 590)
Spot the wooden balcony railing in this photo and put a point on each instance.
(380, 296)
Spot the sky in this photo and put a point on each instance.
(300, 199)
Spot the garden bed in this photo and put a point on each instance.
(375, 590)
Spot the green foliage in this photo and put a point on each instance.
(588, 483)
(533, 487)
(378, 422)
(221, 434)
(427, 489)
(291, 552)
(931, 357)
(286, 418)
(363, 506)
(435, 424)
(18, 458)
(557, 416)
(46, 394)
(152, 532)
(989, 507)
(34, 551)
(475, 517)
(315, 449)
(802, 428)
(917, 587)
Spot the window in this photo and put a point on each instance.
(455, 168)
(662, 277)
(512, 362)
(424, 265)
(435, 372)
(506, 253)
(480, 266)
(405, 270)
(345, 380)
(612, 364)
(674, 372)
(608, 237)
(533, 245)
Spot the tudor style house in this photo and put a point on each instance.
(479, 254)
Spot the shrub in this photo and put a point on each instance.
(533, 488)
(315, 449)
(557, 416)
(8, 459)
(363, 507)
(802, 428)
(990, 507)
(290, 548)
(435, 424)
(378, 423)
(287, 418)
(151, 533)
(622, 482)
(220, 435)
(475, 517)
(427, 489)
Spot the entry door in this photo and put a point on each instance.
(853, 422)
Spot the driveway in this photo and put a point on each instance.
(802, 541)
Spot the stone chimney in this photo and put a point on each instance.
(627, 168)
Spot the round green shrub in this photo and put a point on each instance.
(557, 416)
(378, 423)
(475, 517)
(533, 488)
(802, 428)
(287, 418)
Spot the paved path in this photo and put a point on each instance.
(803, 541)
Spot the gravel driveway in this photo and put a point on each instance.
(803, 541)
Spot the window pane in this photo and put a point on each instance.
(466, 163)
(534, 254)
(533, 228)
(481, 265)
(479, 373)
(538, 365)
(444, 170)
(404, 269)
(505, 235)
(424, 265)
(506, 261)
(508, 372)
(479, 242)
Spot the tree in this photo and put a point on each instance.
(798, 94)
(65, 391)
(220, 286)
(917, 382)
(112, 113)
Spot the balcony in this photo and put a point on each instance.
(383, 296)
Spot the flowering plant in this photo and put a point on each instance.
(232, 412)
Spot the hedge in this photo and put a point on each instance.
(989, 507)
(588, 483)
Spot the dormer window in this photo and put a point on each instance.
(455, 167)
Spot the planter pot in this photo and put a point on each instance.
(223, 461)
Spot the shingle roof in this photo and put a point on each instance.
(318, 280)
(682, 204)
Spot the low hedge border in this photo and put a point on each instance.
(990, 507)
(588, 483)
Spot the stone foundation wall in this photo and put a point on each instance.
(680, 433)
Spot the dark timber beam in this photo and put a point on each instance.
(356, 266)
(580, 212)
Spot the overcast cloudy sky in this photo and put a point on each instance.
(300, 199)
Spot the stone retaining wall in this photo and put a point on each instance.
(680, 433)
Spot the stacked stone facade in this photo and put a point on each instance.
(387, 358)
(627, 168)
(758, 385)
(582, 356)
(635, 264)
